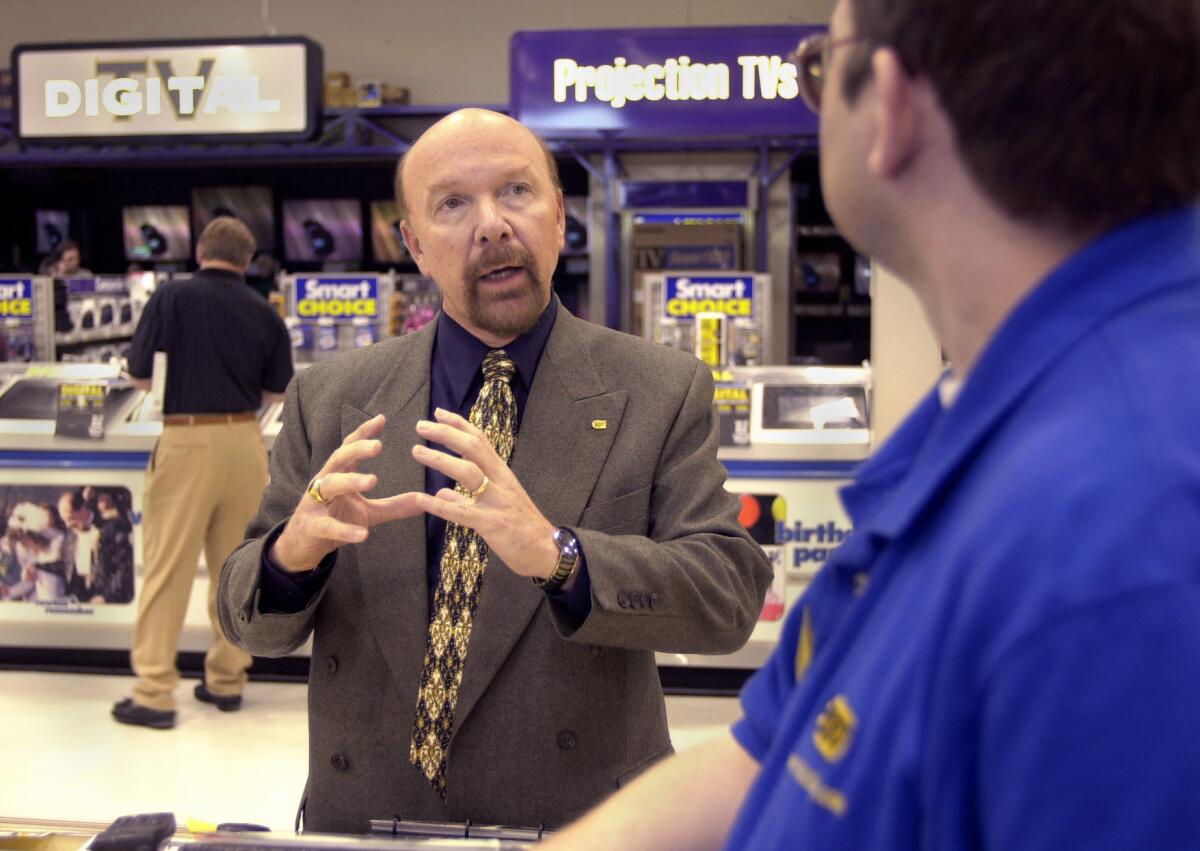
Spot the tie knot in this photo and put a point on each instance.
(498, 366)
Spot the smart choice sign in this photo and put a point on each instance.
(340, 299)
(732, 295)
(265, 88)
(16, 299)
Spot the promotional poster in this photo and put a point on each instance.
(64, 544)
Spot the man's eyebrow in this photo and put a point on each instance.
(449, 185)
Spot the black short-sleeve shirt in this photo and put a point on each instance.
(224, 344)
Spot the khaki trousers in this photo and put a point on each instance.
(202, 489)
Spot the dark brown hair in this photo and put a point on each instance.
(228, 239)
(1080, 114)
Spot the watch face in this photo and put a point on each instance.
(566, 541)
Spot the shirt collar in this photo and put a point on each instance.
(227, 274)
(461, 354)
(899, 481)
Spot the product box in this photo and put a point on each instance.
(369, 94)
(732, 401)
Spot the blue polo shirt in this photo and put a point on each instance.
(1005, 653)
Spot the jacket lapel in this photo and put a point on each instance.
(560, 451)
(391, 562)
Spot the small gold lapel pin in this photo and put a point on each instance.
(599, 425)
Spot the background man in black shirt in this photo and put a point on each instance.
(226, 351)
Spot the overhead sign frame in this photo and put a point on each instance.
(656, 82)
(160, 87)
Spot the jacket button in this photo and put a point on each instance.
(636, 601)
(653, 600)
(339, 762)
(622, 599)
(331, 665)
(566, 740)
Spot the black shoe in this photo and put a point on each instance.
(128, 712)
(224, 702)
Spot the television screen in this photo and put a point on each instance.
(157, 233)
(251, 204)
(52, 228)
(387, 246)
(322, 231)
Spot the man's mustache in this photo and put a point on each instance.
(497, 257)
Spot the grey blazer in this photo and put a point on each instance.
(552, 716)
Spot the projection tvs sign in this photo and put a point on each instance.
(265, 88)
(699, 81)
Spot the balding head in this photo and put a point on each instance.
(482, 214)
(455, 122)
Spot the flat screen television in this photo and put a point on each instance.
(157, 233)
(387, 246)
(52, 228)
(323, 231)
(251, 204)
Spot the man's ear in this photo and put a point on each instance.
(413, 245)
(897, 115)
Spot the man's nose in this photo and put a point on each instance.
(492, 224)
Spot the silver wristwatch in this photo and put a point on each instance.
(568, 560)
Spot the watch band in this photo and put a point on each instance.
(568, 560)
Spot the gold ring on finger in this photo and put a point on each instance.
(479, 491)
(314, 490)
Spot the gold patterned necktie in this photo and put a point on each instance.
(464, 556)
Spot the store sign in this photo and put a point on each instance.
(688, 218)
(731, 295)
(338, 298)
(16, 299)
(704, 81)
(103, 285)
(811, 542)
(267, 88)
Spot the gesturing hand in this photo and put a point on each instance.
(502, 512)
(345, 515)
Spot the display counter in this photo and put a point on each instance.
(791, 438)
(47, 835)
(49, 470)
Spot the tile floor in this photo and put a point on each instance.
(65, 758)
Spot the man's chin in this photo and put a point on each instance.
(510, 311)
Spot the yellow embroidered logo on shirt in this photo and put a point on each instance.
(804, 646)
(835, 729)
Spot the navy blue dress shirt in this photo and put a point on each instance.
(456, 376)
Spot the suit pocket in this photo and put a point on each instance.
(627, 514)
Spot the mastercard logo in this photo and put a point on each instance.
(760, 513)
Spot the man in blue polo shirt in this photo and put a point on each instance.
(1005, 653)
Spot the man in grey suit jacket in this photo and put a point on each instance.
(560, 701)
